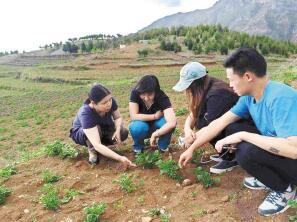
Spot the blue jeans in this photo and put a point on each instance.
(141, 130)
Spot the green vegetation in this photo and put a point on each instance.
(60, 149)
(4, 192)
(142, 53)
(170, 168)
(293, 204)
(157, 212)
(205, 178)
(126, 183)
(69, 195)
(49, 197)
(181, 111)
(148, 159)
(93, 212)
(8, 171)
(49, 177)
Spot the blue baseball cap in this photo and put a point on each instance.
(189, 72)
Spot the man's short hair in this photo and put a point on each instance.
(246, 59)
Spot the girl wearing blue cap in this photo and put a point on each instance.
(98, 124)
(151, 114)
(209, 99)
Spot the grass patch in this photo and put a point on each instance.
(181, 111)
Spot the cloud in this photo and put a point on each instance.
(170, 3)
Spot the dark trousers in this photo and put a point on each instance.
(276, 172)
(105, 134)
(241, 125)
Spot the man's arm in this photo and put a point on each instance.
(209, 132)
(286, 147)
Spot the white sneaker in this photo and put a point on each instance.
(276, 202)
(216, 158)
(93, 157)
(254, 184)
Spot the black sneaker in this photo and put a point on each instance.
(223, 166)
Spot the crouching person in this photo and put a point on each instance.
(98, 124)
(151, 114)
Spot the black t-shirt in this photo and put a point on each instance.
(87, 117)
(161, 102)
(218, 101)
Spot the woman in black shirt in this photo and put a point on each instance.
(209, 98)
(151, 114)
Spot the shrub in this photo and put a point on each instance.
(60, 149)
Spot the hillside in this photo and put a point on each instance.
(274, 18)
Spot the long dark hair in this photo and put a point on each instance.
(197, 91)
(148, 84)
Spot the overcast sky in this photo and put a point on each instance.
(27, 24)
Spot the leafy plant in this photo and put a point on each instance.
(148, 159)
(49, 177)
(60, 149)
(170, 168)
(126, 183)
(4, 192)
(94, 212)
(165, 217)
(293, 204)
(197, 156)
(8, 171)
(160, 213)
(205, 178)
(181, 111)
(49, 197)
(70, 194)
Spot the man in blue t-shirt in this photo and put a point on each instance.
(268, 153)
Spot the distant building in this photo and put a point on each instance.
(122, 46)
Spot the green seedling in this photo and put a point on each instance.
(50, 198)
(49, 177)
(8, 171)
(126, 183)
(148, 159)
(196, 159)
(170, 168)
(293, 204)
(205, 178)
(70, 194)
(93, 213)
(181, 111)
(4, 192)
(60, 149)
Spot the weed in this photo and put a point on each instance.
(49, 197)
(293, 204)
(94, 212)
(200, 212)
(4, 192)
(49, 177)
(196, 159)
(205, 178)
(60, 149)
(165, 217)
(8, 171)
(176, 132)
(70, 194)
(161, 213)
(170, 168)
(181, 112)
(126, 183)
(140, 199)
(148, 159)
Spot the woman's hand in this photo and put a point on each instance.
(189, 138)
(158, 115)
(185, 157)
